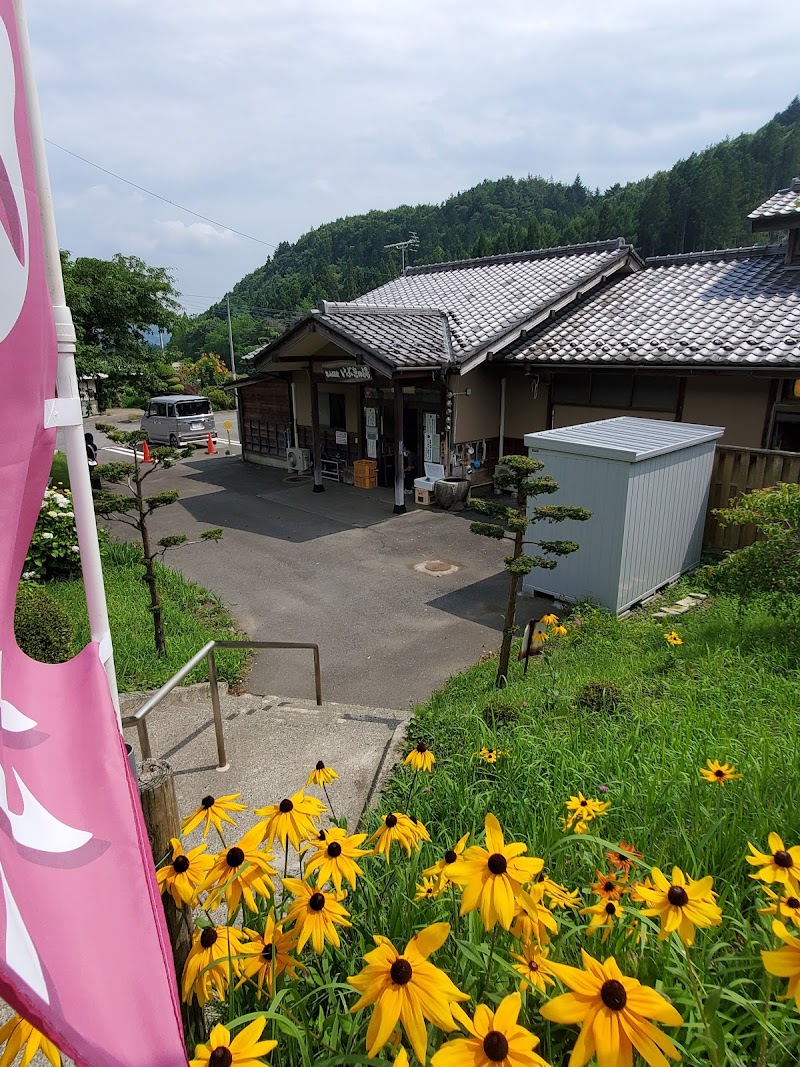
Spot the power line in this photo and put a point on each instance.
(150, 192)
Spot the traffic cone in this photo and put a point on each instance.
(211, 448)
(146, 457)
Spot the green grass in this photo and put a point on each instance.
(192, 616)
(59, 471)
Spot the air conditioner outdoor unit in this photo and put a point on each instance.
(298, 459)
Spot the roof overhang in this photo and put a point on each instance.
(772, 223)
(289, 348)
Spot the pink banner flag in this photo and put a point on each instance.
(84, 954)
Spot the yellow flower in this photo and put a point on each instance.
(559, 631)
(785, 962)
(493, 877)
(615, 1013)
(245, 1050)
(335, 858)
(549, 620)
(420, 758)
(239, 871)
(718, 772)
(539, 638)
(416, 830)
(18, 1034)
(212, 959)
(406, 987)
(451, 856)
(681, 905)
(321, 776)
(673, 639)
(268, 955)
(780, 865)
(533, 967)
(291, 820)
(315, 915)
(603, 914)
(532, 919)
(401, 1059)
(491, 755)
(559, 895)
(214, 811)
(584, 809)
(786, 906)
(180, 875)
(496, 1037)
(394, 827)
(428, 889)
(607, 887)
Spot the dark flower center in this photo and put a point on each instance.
(285, 805)
(613, 995)
(267, 952)
(533, 965)
(495, 1046)
(719, 773)
(391, 820)
(497, 863)
(401, 972)
(320, 765)
(220, 1057)
(180, 864)
(622, 858)
(207, 802)
(334, 849)
(422, 747)
(584, 803)
(608, 887)
(322, 836)
(792, 902)
(235, 857)
(611, 909)
(208, 937)
(450, 856)
(678, 896)
(783, 859)
(316, 901)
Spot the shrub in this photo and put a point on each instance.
(53, 551)
(601, 697)
(501, 710)
(220, 400)
(134, 398)
(42, 627)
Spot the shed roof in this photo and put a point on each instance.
(782, 207)
(624, 439)
(403, 337)
(736, 307)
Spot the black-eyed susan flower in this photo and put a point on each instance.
(335, 858)
(427, 889)
(183, 871)
(608, 886)
(491, 755)
(215, 811)
(268, 955)
(495, 1037)
(406, 988)
(239, 871)
(492, 877)
(321, 776)
(533, 920)
(549, 620)
(244, 1050)
(417, 830)
(451, 856)
(291, 820)
(532, 965)
(420, 758)
(785, 961)
(681, 904)
(786, 906)
(395, 828)
(781, 864)
(584, 809)
(538, 639)
(616, 1014)
(714, 771)
(558, 896)
(603, 916)
(315, 915)
(558, 631)
(213, 958)
(18, 1034)
(623, 857)
(673, 638)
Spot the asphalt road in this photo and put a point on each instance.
(338, 569)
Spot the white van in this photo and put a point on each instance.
(179, 418)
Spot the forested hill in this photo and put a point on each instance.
(701, 202)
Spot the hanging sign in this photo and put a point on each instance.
(356, 372)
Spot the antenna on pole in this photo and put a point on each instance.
(412, 242)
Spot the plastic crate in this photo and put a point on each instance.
(366, 481)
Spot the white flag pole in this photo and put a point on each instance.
(66, 410)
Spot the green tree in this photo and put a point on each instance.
(510, 523)
(205, 373)
(134, 509)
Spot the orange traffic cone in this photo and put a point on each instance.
(211, 449)
(146, 457)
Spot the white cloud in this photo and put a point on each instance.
(178, 234)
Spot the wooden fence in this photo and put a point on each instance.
(737, 471)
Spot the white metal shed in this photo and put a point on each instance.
(646, 483)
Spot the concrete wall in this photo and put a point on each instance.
(526, 403)
(736, 401)
(477, 415)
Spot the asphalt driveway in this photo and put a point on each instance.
(339, 569)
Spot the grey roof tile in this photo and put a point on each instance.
(784, 202)
(403, 338)
(733, 307)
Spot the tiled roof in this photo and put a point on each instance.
(404, 338)
(485, 299)
(736, 307)
(785, 202)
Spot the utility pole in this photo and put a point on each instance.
(230, 336)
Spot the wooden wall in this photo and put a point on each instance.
(737, 471)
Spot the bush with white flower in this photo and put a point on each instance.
(54, 551)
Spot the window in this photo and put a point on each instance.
(612, 389)
(656, 392)
(618, 389)
(193, 408)
(159, 409)
(572, 388)
(338, 416)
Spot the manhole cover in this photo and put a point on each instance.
(435, 566)
(298, 478)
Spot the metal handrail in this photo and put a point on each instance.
(139, 717)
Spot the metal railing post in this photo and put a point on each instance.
(222, 761)
(144, 739)
(317, 675)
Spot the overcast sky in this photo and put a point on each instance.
(273, 116)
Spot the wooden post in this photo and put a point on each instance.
(399, 461)
(160, 809)
(316, 437)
